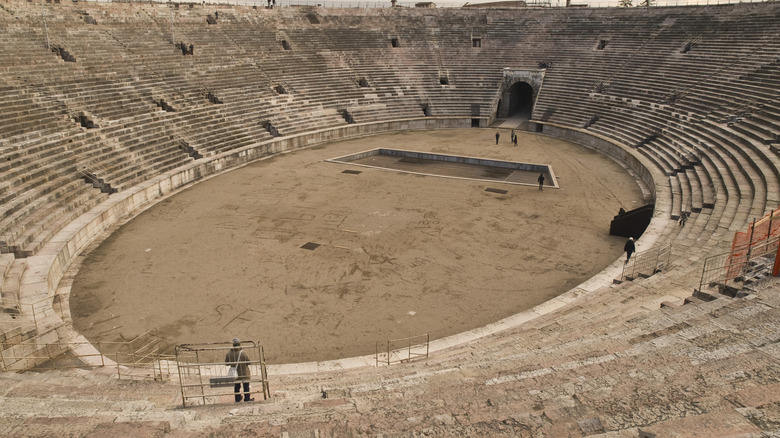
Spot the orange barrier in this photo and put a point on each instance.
(757, 233)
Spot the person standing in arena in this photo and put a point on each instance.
(540, 180)
(236, 357)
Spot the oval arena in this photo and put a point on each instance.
(164, 153)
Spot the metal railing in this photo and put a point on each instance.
(402, 350)
(647, 263)
(203, 372)
(729, 270)
(138, 358)
(40, 309)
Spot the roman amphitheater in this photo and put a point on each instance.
(337, 188)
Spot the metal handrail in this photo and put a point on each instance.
(647, 262)
(390, 352)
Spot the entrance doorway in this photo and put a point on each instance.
(521, 101)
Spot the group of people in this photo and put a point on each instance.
(512, 138)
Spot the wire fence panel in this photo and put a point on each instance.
(729, 269)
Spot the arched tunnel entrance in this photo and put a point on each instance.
(521, 101)
(516, 101)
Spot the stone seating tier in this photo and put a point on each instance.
(127, 63)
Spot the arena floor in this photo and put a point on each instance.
(399, 254)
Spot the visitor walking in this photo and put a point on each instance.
(629, 248)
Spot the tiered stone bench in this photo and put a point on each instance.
(686, 98)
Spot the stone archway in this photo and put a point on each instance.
(518, 93)
(521, 100)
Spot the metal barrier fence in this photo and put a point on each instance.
(729, 269)
(203, 371)
(403, 350)
(138, 358)
(647, 263)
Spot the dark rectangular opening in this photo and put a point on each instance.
(347, 116)
(85, 122)
(475, 123)
(444, 80)
(476, 42)
(285, 45)
(601, 45)
(271, 129)
(394, 42)
(213, 98)
(67, 57)
(164, 106)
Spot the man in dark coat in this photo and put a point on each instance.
(629, 248)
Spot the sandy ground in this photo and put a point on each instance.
(400, 255)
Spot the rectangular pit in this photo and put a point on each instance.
(451, 166)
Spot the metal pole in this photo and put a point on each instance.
(264, 373)
(200, 377)
(181, 382)
(750, 243)
(623, 272)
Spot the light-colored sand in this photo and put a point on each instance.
(400, 254)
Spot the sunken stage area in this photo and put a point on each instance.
(111, 108)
